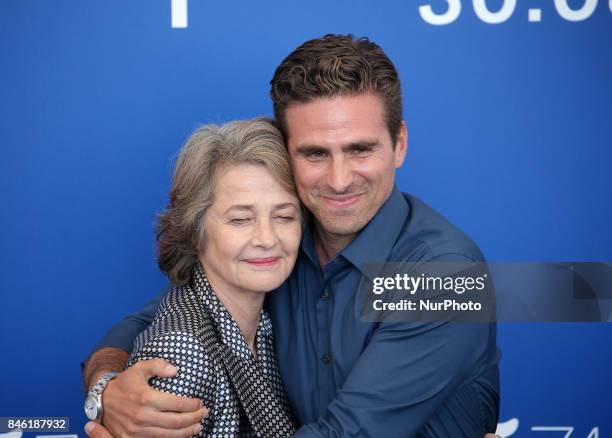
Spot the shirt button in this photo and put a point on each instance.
(326, 359)
(325, 295)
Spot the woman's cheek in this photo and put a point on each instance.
(294, 236)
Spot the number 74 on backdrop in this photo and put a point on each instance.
(507, 429)
(180, 12)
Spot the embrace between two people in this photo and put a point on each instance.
(296, 206)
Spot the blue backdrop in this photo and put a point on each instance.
(97, 97)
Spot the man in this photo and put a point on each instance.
(338, 102)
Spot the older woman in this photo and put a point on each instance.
(229, 235)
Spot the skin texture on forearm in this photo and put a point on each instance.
(103, 361)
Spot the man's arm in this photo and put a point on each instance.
(103, 361)
(112, 351)
(123, 334)
(131, 406)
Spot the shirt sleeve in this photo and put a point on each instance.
(404, 376)
(123, 334)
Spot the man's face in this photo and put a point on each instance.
(342, 158)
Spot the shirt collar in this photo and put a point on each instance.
(308, 246)
(226, 326)
(374, 242)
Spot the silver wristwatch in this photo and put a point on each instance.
(93, 402)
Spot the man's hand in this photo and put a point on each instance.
(95, 430)
(132, 408)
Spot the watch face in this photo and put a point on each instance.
(91, 407)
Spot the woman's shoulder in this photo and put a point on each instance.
(183, 335)
(198, 371)
(179, 347)
(181, 328)
(182, 300)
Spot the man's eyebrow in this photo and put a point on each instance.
(312, 148)
(309, 149)
(366, 144)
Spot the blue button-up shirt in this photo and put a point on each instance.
(349, 378)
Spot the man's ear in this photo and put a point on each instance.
(401, 145)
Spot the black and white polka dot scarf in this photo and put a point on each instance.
(195, 332)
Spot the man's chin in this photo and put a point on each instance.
(341, 221)
(345, 227)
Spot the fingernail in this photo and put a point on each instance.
(89, 427)
(170, 367)
(198, 428)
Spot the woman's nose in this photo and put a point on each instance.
(265, 235)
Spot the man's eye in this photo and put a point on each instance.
(316, 155)
(360, 151)
(285, 218)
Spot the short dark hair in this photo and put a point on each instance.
(337, 65)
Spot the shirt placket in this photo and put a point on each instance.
(325, 354)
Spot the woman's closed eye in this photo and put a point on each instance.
(240, 220)
(285, 218)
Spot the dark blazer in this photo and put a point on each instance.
(195, 332)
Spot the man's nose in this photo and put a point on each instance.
(339, 175)
(265, 234)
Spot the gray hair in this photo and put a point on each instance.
(180, 233)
